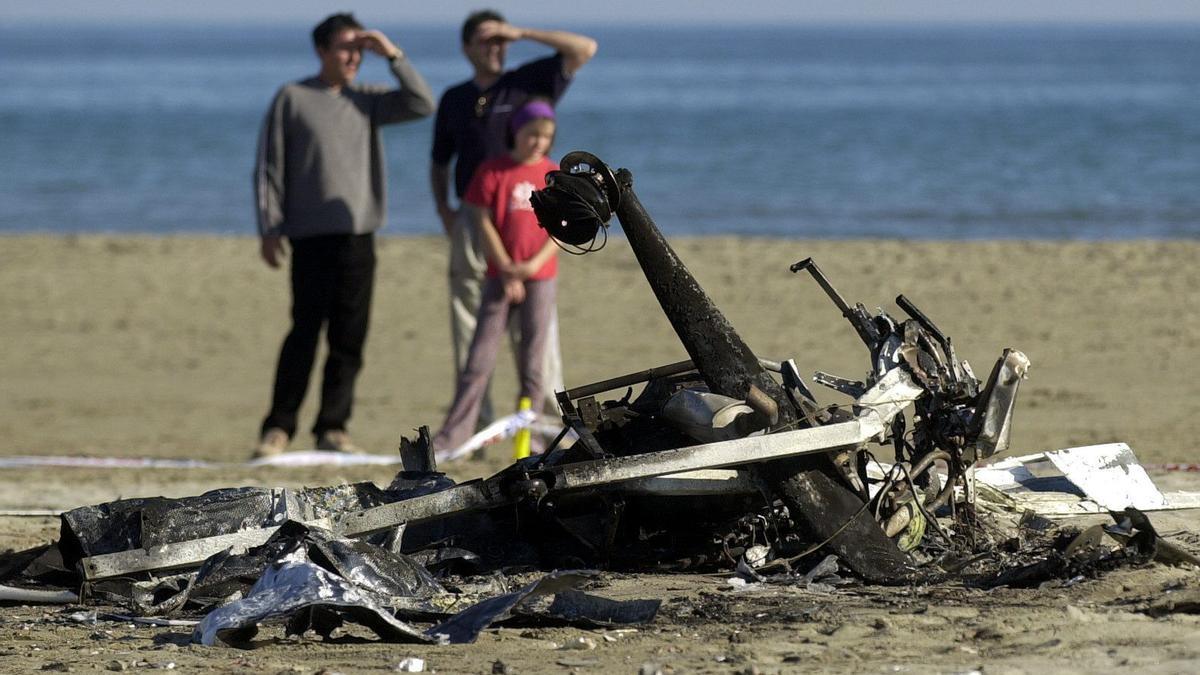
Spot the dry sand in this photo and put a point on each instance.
(164, 347)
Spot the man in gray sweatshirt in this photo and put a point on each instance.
(319, 185)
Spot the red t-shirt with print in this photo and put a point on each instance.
(502, 186)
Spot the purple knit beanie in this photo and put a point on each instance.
(534, 110)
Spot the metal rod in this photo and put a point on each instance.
(647, 375)
(630, 379)
(811, 267)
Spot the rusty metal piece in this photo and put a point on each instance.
(762, 404)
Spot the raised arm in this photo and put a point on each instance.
(576, 49)
(414, 99)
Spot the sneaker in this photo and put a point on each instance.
(337, 441)
(273, 442)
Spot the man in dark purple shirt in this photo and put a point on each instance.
(472, 125)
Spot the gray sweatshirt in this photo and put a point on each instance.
(320, 166)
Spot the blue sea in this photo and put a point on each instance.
(961, 132)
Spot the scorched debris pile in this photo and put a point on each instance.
(723, 461)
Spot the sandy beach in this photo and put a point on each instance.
(165, 348)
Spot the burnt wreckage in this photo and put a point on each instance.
(806, 465)
(721, 460)
(717, 458)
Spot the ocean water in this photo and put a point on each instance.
(911, 132)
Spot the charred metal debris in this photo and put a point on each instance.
(724, 461)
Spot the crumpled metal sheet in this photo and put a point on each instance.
(1072, 481)
(130, 524)
(372, 568)
(387, 573)
(36, 575)
(320, 581)
(446, 558)
(227, 576)
(287, 588)
(41, 563)
(465, 626)
(137, 523)
(1110, 475)
(568, 604)
(159, 596)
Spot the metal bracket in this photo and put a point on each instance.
(851, 388)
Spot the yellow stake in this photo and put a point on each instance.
(521, 440)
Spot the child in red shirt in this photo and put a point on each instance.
(522, 268)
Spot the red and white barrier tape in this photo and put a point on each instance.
(501, 429)
(1173, 466)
